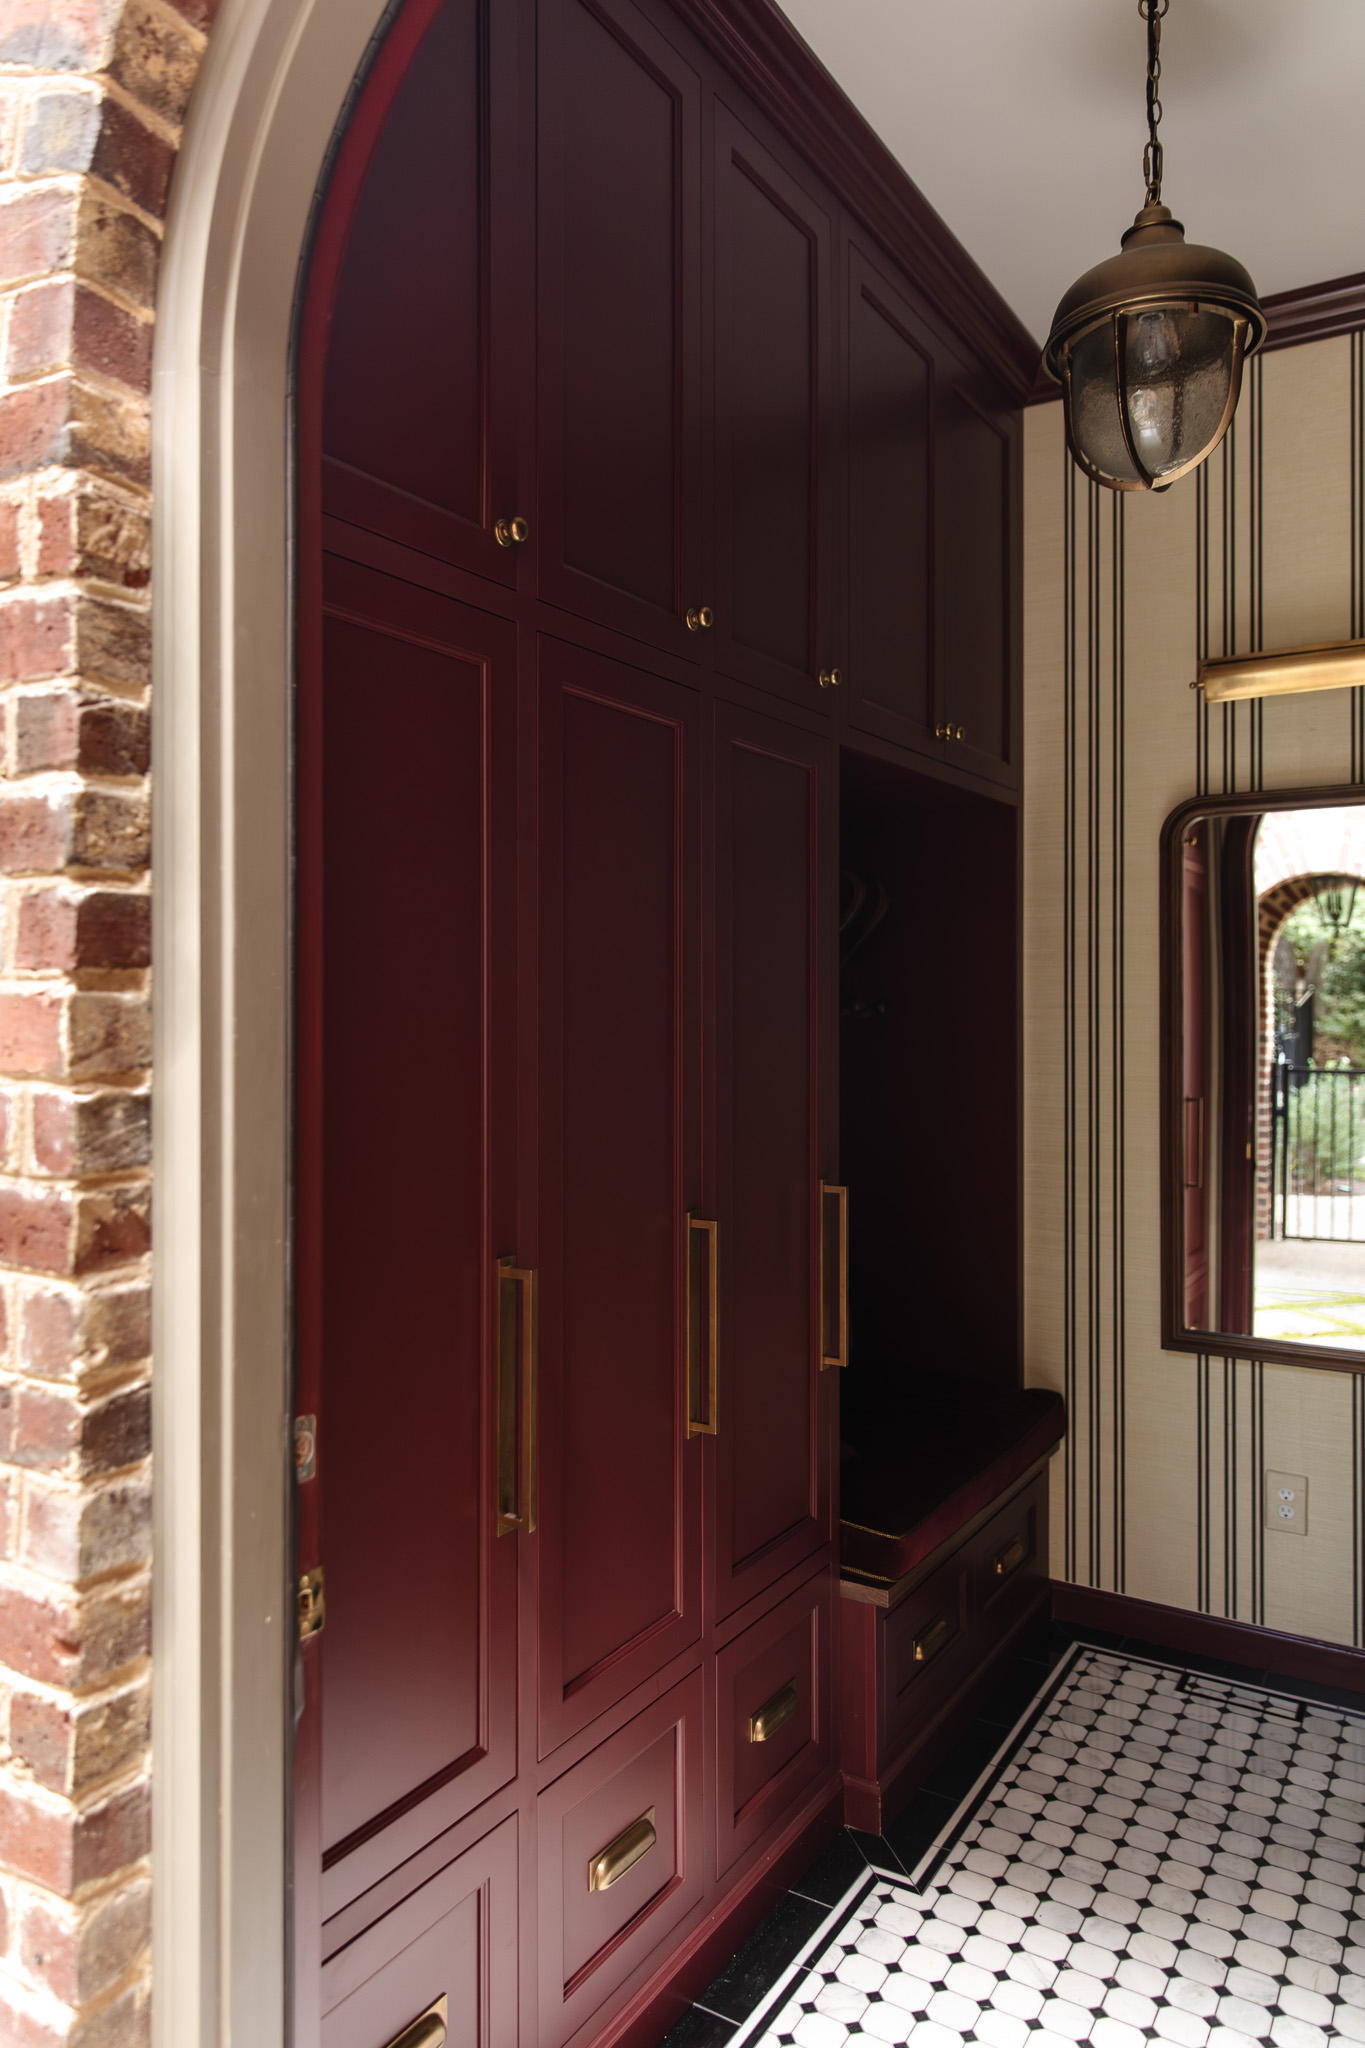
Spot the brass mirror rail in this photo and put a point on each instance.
(1331, 665)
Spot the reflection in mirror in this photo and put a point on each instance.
(1269, 1144)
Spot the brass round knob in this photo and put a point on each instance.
(960, 732)
(510, 533)
(699, 617)
(943, 732)
(830, 678)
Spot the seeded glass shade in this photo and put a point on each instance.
(1149, 347)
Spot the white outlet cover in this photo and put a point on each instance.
(1286, 1503)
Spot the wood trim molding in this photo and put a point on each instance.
(760, 48)
(1262, 1650)
(1315, 312)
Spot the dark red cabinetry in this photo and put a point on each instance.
(612, 520)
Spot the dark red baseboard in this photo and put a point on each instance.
(1209, 1635)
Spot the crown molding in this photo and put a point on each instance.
(761, 49)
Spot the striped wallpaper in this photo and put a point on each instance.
(1160, 1492)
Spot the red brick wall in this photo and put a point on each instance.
(92, 97)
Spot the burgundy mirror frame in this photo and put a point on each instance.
(1176, 1334)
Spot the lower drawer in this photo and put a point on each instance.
(1005, 1559)
(926, 1649)
(773, 1716)
(451, 1945)
(620, 1857)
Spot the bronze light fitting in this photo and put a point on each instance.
(1148, 347)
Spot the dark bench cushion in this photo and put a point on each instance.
(939, 1458)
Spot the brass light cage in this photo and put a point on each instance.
(1149, 345)
(1332, 665)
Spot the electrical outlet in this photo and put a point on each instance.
(1286, 1503)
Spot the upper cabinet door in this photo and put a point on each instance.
(773, 381)
(619, 143)
(976, 460)
(422, 399)
(776, 1120)
(618, 1547)
(889, 684)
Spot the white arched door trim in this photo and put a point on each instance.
(274, 81)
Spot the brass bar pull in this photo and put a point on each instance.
(516, 1392)
(702, 1314)
(774, 1713)
(931, 1642)
(1010, 1558)
(623, 1854)
(833, 1278)
(428, 2030)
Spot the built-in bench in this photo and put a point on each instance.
(944, 1563)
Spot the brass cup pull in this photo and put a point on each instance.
(833, 1255)
(516, 1397)
(623, 1854)
(774, 1713)
(830, 678)
(510, 533)
(931, 1642)
(428, 2030)
(1010, 1558)
(700, 617)
(702, 1326)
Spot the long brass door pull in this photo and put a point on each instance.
(702, 1326)
(833, 1277)
(516, 1397)
(426, 2031)
(623, 1853)
(774, 1713)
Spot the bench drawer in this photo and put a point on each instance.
(926, 1649)
(620, 1857)
(774, 1733)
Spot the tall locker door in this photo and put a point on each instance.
(619, 427)
(776, 841)
(618, 1547)
(424, 253)
(407, 1197)
(775, 456)
(980, 631)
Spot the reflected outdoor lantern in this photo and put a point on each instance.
(1149, 346)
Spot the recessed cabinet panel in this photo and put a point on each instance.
(419, 428)
(405, 1440)
(772, 363)
(619, 205)
(771, 797)
(454, 1939)
(889, 681)
(619, 1143)
(973, 468)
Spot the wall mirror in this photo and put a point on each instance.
(1263, 1077)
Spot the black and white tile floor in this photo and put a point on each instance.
(1155, 1855)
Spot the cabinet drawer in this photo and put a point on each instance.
(455, 1938)
(773, 1716)
(1005, 1562)
(926, 1649)
(620, 1857)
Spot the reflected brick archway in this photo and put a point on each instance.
(92, 98)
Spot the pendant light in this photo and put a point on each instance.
(1149, 345)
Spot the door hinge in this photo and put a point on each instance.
(312, 1603)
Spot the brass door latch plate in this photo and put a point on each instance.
(312, 1603)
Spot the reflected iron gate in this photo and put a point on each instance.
(1317, 1153)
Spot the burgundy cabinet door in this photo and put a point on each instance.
(620, 1491)
(773, 385)
(775, 850)
(427, 353)
(889, 685)
(408, 1196)
(978, 599)
(618, 427)
(451, 1947)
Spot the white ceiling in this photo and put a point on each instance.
(1023, 122)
